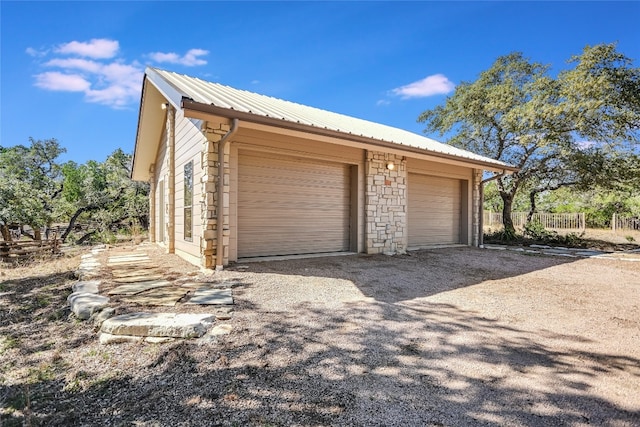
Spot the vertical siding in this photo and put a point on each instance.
(189, 141)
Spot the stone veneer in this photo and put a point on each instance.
(386, 204)
(209, 195)
(475, 206)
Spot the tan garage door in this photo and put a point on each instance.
(290, 206)
(434, 210)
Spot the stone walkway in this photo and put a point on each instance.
(632, 255)
(135, 280)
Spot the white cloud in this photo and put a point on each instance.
(437, 84)
(189, 59)
(35, 52)
(95, 48)
(75, 63)
(56, 81)
(382, 102)
(103, 80)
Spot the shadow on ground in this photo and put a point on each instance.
(437, 366)
(386, 278)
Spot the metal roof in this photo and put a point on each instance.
(215, 94)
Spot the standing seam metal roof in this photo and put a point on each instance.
(222, 96)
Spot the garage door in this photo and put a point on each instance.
(434, 210)
(291, 206)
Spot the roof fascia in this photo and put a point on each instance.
(168, 90)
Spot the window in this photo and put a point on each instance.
(188, 201)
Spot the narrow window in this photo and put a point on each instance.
(188, 201)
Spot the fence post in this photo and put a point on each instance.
(613, 222)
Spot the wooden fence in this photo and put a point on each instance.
(557, 221)
(15, 250)
(625, 223)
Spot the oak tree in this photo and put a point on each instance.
(518, 113)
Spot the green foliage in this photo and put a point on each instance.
(535, 233)
(104, 194)
(494, 203)
(36, 190)
(517, 113)
(30, 182)
(536, 230)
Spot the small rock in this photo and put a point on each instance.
(86, 286)
(224, 313)
(84, 304)
(158, 340)
(99, 317)
(540, 246)
(221, 330)
(106, 339)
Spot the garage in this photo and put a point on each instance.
(434, 210)
(289, 205)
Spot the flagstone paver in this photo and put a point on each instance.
(136, 288)
(132, 265)
(167, 296)
(138, 278)
(128, 260)
(134, 272)
(141, 282)
(177, 325)
(211, 296)
(128, 256)
(570, 252)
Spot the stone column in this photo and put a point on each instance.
(386, 203)
(152, 203)
(209, 196)
(476, 197)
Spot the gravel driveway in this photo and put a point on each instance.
(444, 337)
(447, 337)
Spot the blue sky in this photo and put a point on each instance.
(73, 70)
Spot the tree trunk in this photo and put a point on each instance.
(72, 223)
(532, 208)
(25, 233)
(37, 233)
(509, 230)
(85, 237)
(6, 234)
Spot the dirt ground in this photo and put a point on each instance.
(446, 337)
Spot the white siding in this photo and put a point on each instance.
(189, 142)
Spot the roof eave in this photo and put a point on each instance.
(190, 106)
